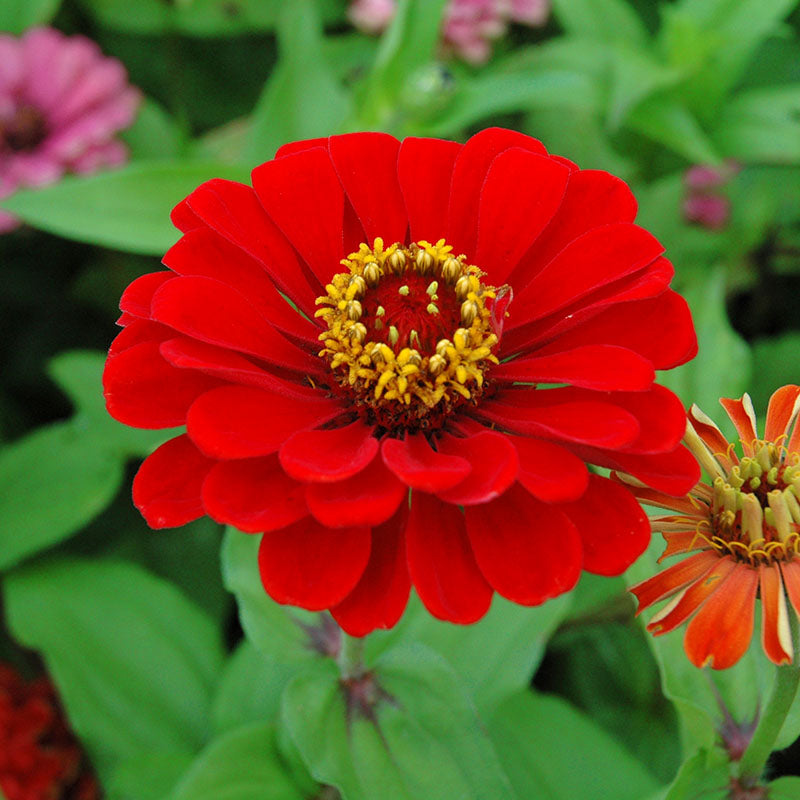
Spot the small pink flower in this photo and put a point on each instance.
(707, 210)
(61, 103)
(469, 25)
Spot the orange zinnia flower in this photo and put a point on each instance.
(743, 531)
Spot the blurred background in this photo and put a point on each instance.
(695, 103)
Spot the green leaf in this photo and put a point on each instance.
(279, 632)
(240, 765)
(785, 788)
(610, 21)
(723, 363)
(303, 98)
(636, 75)
(672, 125)
(493, 657)
(59, 477)
(426, 719)
(776, 358)
(127, 209)
(489, 93)
(154, 134)
(211, 18)
(762, 125)
(16, 16)
(409, 44)
(53, 482)
(250, 688)
(735, 28)
(541, 739)
(704, 776)
(148, 776)
(133, 659)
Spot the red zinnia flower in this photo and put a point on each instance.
(39, 757)
(407, 368)
(744, 531)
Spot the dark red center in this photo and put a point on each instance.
(24, 131)
(410, 312)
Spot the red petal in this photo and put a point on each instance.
(675, 614)
(367, 167)
(494, 465)
(781, 411)
(138, 331)
(674, 578)
(599, 366)
(638, 326)
(167, 486)
(441, 562)
(242, 422)
(137, 297)
(661, 418)
(553, 414)
(328, 455)
(419, 466)
(304, 144)
(212, 312)
(143, 390)
(469, 173)
(226, 365)
(302, 194)
(675, 472)
(720, 632)
(509, 220)
(776, 634)
(613, 528)
(380, 597)
(368, 498)
(183, 218)
(647, 283)
(254, 495)
(593, 198)
(596, 259)
(232, 210)
(528, 550)
(549, 472)
(204, 253)
(311, 566)
(425, 168)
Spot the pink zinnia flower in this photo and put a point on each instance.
(469, 25)
(61, 103)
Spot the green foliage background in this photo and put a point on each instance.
(140, 630)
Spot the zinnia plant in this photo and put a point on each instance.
(61, 104)
(742, 531)
(466, 327)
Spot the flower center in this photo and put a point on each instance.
(754, 513)
(410, 332)
(23, 131)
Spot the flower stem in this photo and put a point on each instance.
(351, 656)
(784, 689)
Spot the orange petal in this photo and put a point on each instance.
(776, 637)
(683, 542)
(783, 408)
(719, 634)
(674, 578)
(713, 437)
(791, 580)
(744, 419)
(660, 500)
(691, 599)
